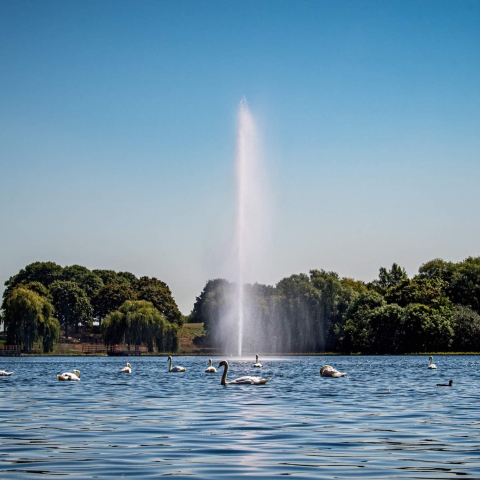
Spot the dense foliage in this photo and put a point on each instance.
(137, 322)
(28, 317)
(436, 310)
(44, 296)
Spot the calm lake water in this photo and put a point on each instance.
(386, 419)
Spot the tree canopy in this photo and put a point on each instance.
(77, 297)
(110, 297)
(157, 292)
(137, 322)
(436, 310)
(28, 317)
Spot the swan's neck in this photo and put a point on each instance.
(256, 358)
(224, 376)
(210, 363)
(170, 369)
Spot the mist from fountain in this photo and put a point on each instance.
(250, 214)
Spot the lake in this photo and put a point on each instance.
(385, 419)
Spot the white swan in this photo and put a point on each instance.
(127, 369)
(328, 371)
(258, 365)
(72, 377)
(241, 380)
(431, 364)
(210, 368)
(4, 373)
(175, 369)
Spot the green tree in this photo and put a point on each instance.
(209, 299)
(36, 287)
(297, 304)
(467, 330)
(403, 325)
(128, 277)
(299, 314)
(110, 297)
(212, 308)
(28, 317)
(42, 272)
(461, 281)
(88, 281)
(40, 289)
(389, 278)
(110, 276)
(387, 324)
(427, 328)
(427, 291)
(336, 297)
(157, 292)
(139, 322)
(438, 269)
(358, 334)
(72, 306)
(465, 283)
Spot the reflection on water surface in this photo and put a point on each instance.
(386, 419)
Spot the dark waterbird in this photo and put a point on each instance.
(449, 384)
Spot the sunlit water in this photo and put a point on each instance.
(386, 419)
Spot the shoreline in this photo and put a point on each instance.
(212, 354)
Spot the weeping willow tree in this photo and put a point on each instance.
(139, 322)
(28, 318)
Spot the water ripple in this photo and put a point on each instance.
(385, 419)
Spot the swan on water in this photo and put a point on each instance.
(328, 371)
(210, 368)
(241, 380)
(4, 373)
(431, 364)
(258, 365)
(72, 377)
(175, 369)
(127, 369)
(449, 384)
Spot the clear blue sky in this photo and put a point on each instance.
(117, 134)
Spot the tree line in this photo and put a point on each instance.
(44, 298)
(436, 310)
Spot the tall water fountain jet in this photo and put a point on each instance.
(249, 210)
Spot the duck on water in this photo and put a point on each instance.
(449, 384)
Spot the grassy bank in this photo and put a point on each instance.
(187, 335)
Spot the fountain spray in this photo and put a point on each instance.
(246, 189)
